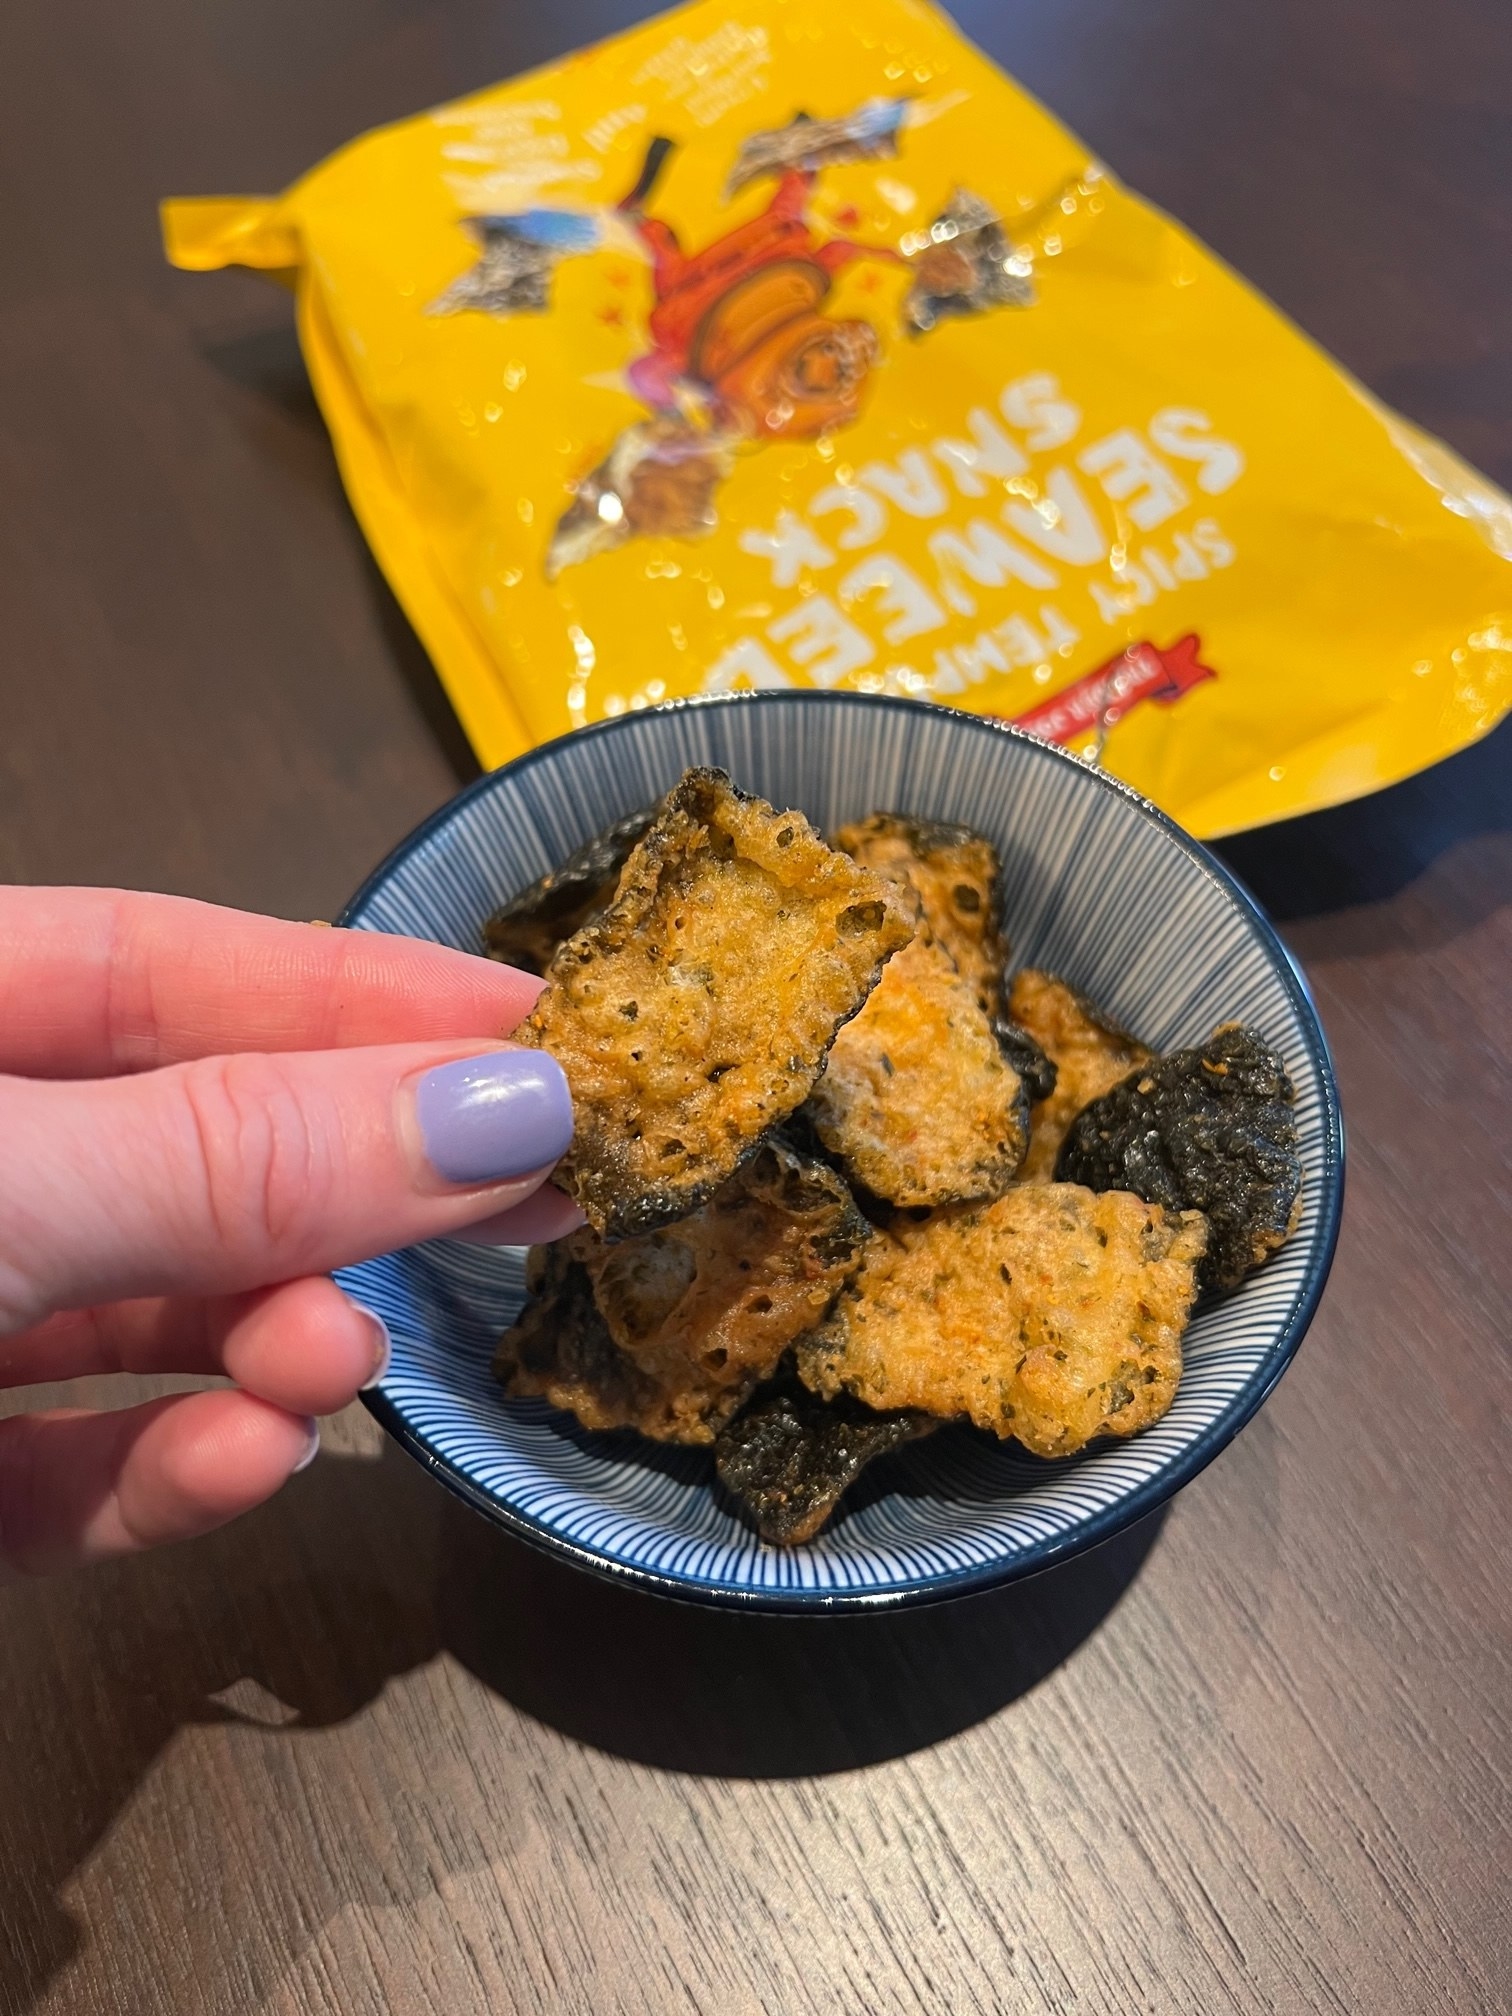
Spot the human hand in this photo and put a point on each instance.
(206, 1112)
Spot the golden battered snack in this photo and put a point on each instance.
(1054, 1315)
(954, 874)
(1089, 1052)
(527, 930)
(694, 1014)
(917, 1099)
(670, 1333)
(790, 1458)
(1210, 1130)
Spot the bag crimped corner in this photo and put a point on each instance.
(788, 345)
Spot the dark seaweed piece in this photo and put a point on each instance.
(1037, 1072)
(790, 1458)
(560, 1348)
(527, 930)
(1208, 1130)
(681, 1326)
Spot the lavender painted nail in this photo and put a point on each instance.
(485, 1119)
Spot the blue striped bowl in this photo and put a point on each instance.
(1099, 887)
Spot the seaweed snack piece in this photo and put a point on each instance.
(1208, 1130)
(527, 930)
(670, 1333)
(954, 874)
(559, 1349)
(1089, 1051)
(1037, 1071)
(694, 1015)
(1053, 1314)
(917, 1099)
(790, 1458)
(965, 265)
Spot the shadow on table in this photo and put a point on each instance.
(364, 1569)
(687, 1688)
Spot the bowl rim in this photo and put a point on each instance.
(1102, 1526)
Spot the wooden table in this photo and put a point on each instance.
(361, 1753)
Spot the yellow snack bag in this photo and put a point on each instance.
(783, 344)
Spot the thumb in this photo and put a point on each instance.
(235, 1172)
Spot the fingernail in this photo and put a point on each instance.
(383, 1344)
(311, 1453)
(485, 1119)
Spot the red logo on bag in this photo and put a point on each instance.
(1099, 700)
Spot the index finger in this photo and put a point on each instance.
(99, 981)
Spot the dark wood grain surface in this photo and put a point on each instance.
(360, 1754)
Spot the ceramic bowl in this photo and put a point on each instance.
(1098, 886)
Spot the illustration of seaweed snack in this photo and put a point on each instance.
(741, 352)
(965, 264)
(518, 256)
(807, 144)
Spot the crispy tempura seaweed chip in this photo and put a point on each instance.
(954, 874)
(790, 1458)
(695, 1013)
(917, 1098)
(714, 1301)
(1054, 1315)
(1208, 1130)
(1089, 1051)
(681, 1325)
(560, 1350)
(527, 930)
